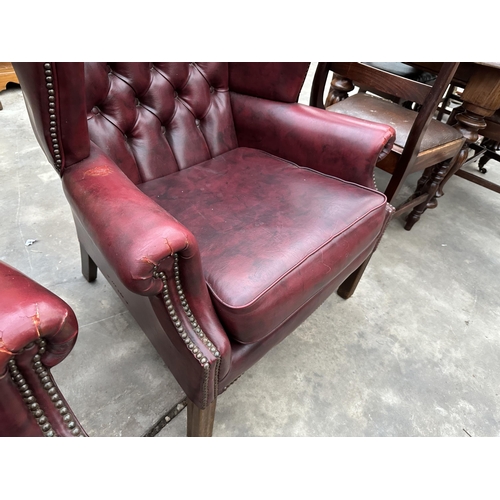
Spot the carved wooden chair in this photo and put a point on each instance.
(405, 71)
(221, 211)
(422, 143)
(37, 331)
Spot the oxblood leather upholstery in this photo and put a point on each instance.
(37, 331)
(255, 235)
(221, 211)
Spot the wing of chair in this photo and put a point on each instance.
(37, 331)
(221, 211)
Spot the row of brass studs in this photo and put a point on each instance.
(47, 384)
(29, 398)
(49, 83)
(177, 322)
(52, 391)
(197, 328)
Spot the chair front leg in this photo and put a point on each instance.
(348, 287)
(200, 423)
(89, 267)
(433, 183)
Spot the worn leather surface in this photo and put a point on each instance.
(379, 110)
(244, 356)
(153, 119)
(66, 121)
(29, 312)
(133, 233)
(271, 235)
(334, 144)
(280, 81)
(162, 123)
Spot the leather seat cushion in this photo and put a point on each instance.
(271, 234)
(378, 110)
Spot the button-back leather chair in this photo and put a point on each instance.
(422, 143)
(221, 211)
(37, 331)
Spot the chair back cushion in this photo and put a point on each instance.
(277, 81)
(153, 119)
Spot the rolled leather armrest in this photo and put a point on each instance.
(335, 144)
(131, 230)
(136, 237)
(30, 312)
(37, 331)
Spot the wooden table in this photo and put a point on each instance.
(7, 74)
(481, 98)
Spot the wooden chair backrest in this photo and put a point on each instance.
(374, 79)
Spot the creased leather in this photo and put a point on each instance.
(153, 119)
(277, 81)
(69, 125)
(134, 233)
(162, 126)
(29, 312)
(270, 234)
(337, 145)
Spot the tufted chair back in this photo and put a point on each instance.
(151, 119)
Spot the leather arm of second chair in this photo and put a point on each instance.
(37, 331)
(337, 145)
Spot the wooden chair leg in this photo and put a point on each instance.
(348, 287)
(89, 268)
(433, 182)
(200, 423)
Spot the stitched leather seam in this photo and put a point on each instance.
(303, 305)
(168, 80)
(216, 377)
(206, 376)
(343, 181)
(126, 142)
(260, 295)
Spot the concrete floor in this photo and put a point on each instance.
(415, 352)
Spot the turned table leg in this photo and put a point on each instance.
(339, 89)
(469, 124)
(481, 98)
(433, 181)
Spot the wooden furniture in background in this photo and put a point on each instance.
(7, 74)
(422, 143)
(481, 99)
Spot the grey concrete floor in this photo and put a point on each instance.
(415, 352)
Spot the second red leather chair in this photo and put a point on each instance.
(37, 331)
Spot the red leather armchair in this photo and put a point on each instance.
(37, 331)
(221, 211)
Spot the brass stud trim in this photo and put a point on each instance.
(30, 400)
(174, 316)
(52, 116)
(54, 396)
